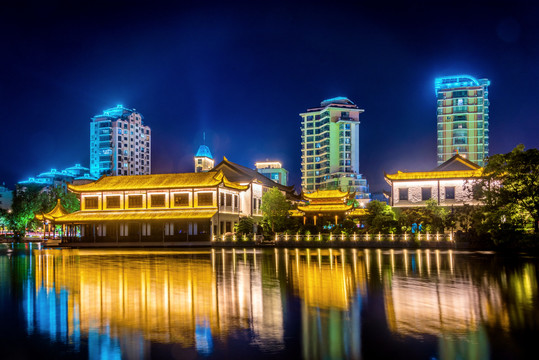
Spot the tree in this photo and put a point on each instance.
(26, 203)
(435, 216)
(275, 208)
(380, 217)
(69, 200)
(245, 226)
(509, 188)
(32, 200)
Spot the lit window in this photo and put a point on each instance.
(91, 202)
(403, 194)
(157, 200)
(135, 201)
(113, 202)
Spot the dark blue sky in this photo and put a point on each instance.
(243, 72)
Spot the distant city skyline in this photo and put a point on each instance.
(242, 74)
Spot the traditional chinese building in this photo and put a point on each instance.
(327, 206)
(49, 219)
(449, 184)
(166, 208)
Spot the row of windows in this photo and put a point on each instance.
(156, 201)
(426, 193)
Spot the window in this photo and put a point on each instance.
(91, 202)
(236, 201)
(228, 199)
(450, 193)
(157, 200)
(135, 201)
(113, 202)
(222, 199)
(181, 199)
(403, 194)
(426, 193)
(205, 199)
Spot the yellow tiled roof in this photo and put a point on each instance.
(57, 212)
(136, 215)
(358, 212)
(325, 208)
(324, 194)
(158, 181)
(295, 213)
(427, 175)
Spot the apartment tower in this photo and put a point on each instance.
(462, 118)
(330, 148)
(120, 143)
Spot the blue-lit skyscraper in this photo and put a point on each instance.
(120, 143)
(463, 118)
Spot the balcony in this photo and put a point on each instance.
(229, 209)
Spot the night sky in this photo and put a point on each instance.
(243, 72)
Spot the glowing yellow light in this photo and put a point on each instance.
(379, 236)
(355, 237)
(342, 237)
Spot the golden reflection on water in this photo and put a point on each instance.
(196, 298)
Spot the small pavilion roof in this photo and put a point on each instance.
(326, 194)
(54, 214)
(325, 208)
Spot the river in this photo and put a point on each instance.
(267, 303)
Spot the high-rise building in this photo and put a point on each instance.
(273, 170)
(462, 118)
(330, 148)
(120, 143)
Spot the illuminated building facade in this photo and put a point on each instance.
(49, 179)
(463, 118)
(449, 184)
(273, 170)
(161, 208)
(120, 143)
(330, 148)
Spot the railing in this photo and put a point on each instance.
(229, 209)
(364, 237)
(423, 239)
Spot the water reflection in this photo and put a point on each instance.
(320, 303)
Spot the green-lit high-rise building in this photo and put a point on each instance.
(463, 118)
(330, 149)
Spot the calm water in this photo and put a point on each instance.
(331, 304)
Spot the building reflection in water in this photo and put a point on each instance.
(122, 301)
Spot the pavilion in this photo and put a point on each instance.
(322, 205)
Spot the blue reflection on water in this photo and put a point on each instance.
(204, 342)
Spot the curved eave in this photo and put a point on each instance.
(327, 208)
(326, 194)
(82, 217)
(435, 175)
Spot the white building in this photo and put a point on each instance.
(330, 148)
(120, 143)
(449, 184)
